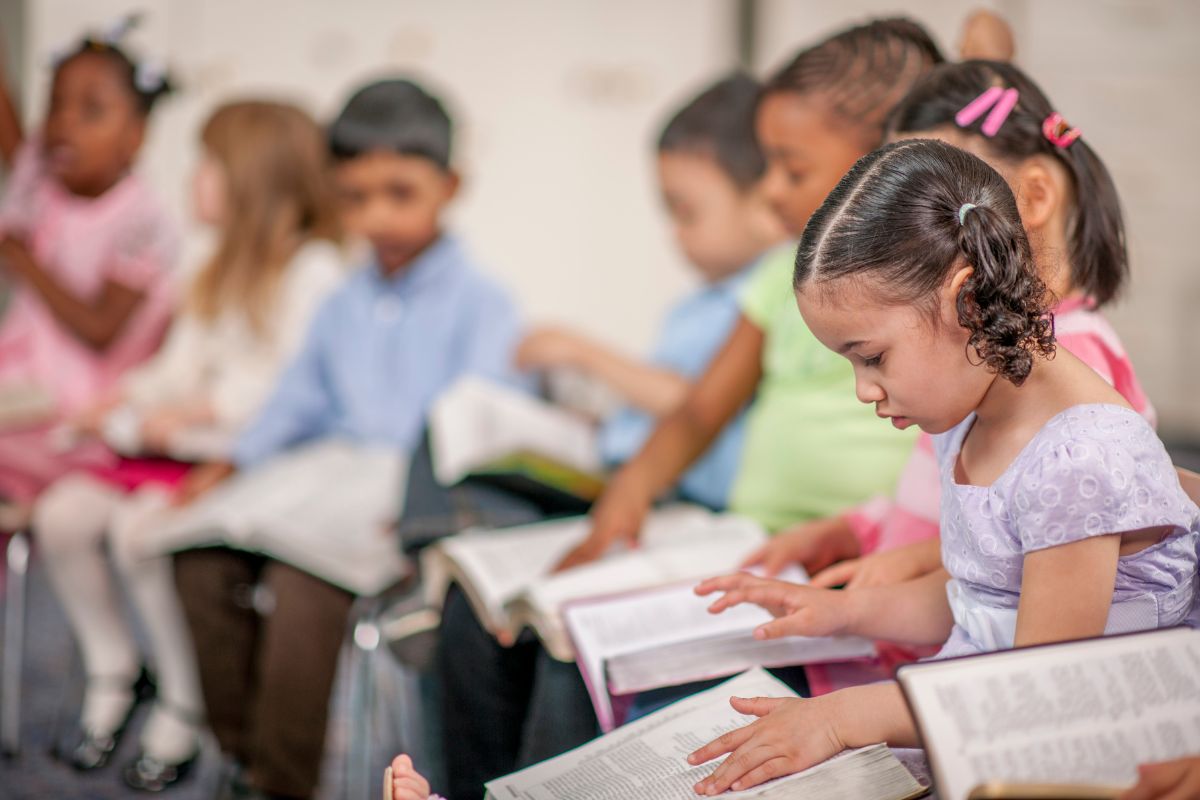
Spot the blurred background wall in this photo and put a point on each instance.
(559, 102)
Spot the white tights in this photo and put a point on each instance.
(72, 520)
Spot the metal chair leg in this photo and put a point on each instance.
(16, 586)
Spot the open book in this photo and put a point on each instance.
(328, 508)
(505, 573)
(665, 636)
(1069, 720)
(647, 759)
(493, 433)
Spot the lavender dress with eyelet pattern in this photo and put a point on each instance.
(1091, 470)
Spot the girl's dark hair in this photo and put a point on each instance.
(393, 116)
(861, 72)
(719, 122)
(1096, 231)
(910, 213)
(146, 82)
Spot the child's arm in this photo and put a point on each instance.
(726, 386)
(1066, 591)
(652, 389)
(793, 734)
(885, 567)
(97, 323)
(916, 612)
(11, 134)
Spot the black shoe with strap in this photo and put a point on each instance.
(90, 750)
(149, 774)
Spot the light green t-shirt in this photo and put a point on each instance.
(811, 448)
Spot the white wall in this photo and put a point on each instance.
(558, 105)
(559, 102)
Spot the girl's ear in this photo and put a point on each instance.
(951, 289)
(1040, 193)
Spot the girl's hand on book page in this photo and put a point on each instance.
(200, 481)
(790, 735)
(814, 545)
(617, 517)
(799, 610)
(1167, 780)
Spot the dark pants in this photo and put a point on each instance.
(266, 679)
(503, 707)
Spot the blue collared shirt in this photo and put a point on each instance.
(381, 349)
(693, 332)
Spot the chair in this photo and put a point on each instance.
(16, 588)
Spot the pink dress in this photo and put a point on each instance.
(124, 235)
(912, 514)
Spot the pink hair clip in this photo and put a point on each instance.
(1000, 101)
(1060, 134)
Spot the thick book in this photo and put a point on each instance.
(665, 636)
(647, 759)
(1070, 720)
(492, 433)
(506, 573)
(328, 508)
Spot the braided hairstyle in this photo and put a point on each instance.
(861, 72)
(1096, 229)
(909, 214)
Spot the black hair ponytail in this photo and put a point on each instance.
(910, 213)
(1003, 302)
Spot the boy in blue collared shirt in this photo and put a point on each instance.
(383, 346)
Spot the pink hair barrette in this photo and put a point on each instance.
(1060, 134)
(1000, 101)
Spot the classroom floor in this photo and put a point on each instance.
(52, 683)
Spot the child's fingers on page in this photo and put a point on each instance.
(767, 771)
(1155, 781)
(740, 762)
(837, 574)
(758, 706)
(412, 786)
(779, 628)
(723, 583)
(724, 743)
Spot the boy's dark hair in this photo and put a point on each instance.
(1099, 259)
(146, 82)
(719, 122)
(395, 116)
(861, 72)
(908, 214)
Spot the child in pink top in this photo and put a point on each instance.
(889, 540)
(86, 247)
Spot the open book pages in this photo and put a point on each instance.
(476, 425)
(122, 432)
(506, 572)
(665, 636)
(328, 508)
(1083, 712)
(647, 759)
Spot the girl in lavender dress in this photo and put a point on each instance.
(1062, 515)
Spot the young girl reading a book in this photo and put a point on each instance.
(1071, 212)
(87, 247)
(1062, 515)
(263, 184)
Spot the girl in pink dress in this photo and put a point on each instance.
(85, 247)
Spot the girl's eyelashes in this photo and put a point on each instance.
(872, 361)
